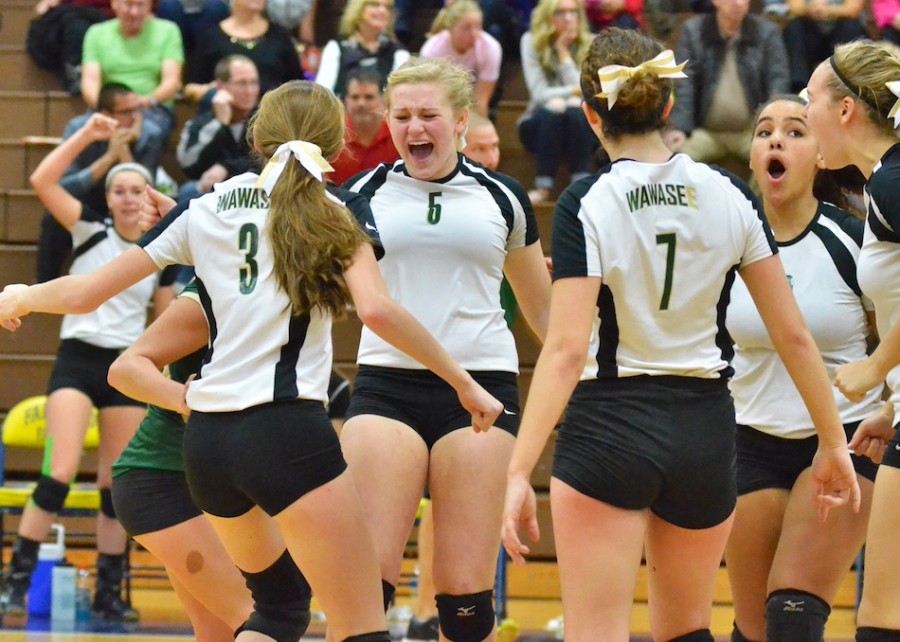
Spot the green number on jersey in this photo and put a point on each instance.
(434, 208)
(248, 243)
(669, 240)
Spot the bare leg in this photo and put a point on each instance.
(598, 549)
(881, 592)
(117, 426)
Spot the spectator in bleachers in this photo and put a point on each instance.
(298, 17)
(90, 343)
(135, 140)
(249, 32)
(457, 34)
(625, 14)
(213, 145)
(482, 142)
(553, 126)
(139, 50)
(735, 62)
(193, 17)
(367, 29)
(815, 28)
(887, 19)
(56, 35)
(368, 139)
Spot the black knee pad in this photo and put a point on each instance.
(377, 636)
(795, 616)
(736, 635)
(106, 503)
(387, 590)
(871, 634)
(702, 635)
(466, 618)
(50, 494)
(281, 598)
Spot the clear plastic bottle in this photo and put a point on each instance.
(63, 593)
(83, 593)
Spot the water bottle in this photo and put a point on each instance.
(82, 593)
(49, 555)
(62, 608)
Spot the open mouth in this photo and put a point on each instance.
(420, 151)
(776, 168)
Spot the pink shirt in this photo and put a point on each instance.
(884, 12)
(483, 59)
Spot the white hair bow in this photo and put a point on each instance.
(613, 77)
(894, 86)
(307, 154)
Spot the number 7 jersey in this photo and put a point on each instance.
(666, 239)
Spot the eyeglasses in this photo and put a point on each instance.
(562, 13)
(377, 3)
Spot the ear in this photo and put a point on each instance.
(593, 118)
(670, 102)
(848, 108)
(820, 161)
(462, 122)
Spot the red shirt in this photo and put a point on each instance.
(356, 157)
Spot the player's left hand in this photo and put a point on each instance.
(520, 508)
(834, 480)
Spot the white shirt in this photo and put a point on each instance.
(821, 268)
(445, 244)
(666, 239)
(120, 321)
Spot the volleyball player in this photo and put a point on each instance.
(275, 257)
(853, 112)
(644, 254)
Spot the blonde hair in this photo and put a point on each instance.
(313, 238)
(452, 13)
(860, 70)
(352, 16)
(642, 99)
(543, 33)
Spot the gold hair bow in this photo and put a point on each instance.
(613, 77)
(894, 86)
(307, 154)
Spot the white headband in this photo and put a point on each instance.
(308, 154)
(613, 77)
(894, 86)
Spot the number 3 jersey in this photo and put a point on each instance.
(258, 352)
(445, 243)
(666, 239)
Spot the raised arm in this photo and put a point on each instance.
(45, 179)
(386, 318)
(180, 330)
(832, 469)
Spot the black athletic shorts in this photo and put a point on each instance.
(84, 367)
(148, 500)
(665, 443)
(426, 403)
(268, 456)
(892, 452)
(767, 461)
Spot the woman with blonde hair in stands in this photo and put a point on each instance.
(553, 127)
(367, 29)
(261, 457)
(853, 110)
(457, 34)
(644, 255)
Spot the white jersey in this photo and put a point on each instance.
(666, 239)
(879, 261)
(258, 352)
(445, 244)
(821, 268)
(120, 321)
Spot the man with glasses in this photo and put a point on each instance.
(136, 140)
(213, 145)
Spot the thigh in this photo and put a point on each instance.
(881, 591)
(467, 523)
(596, 540)
(684, 565)
(389, 464)
(749, 554)
(68, 413)
(195, 559)
(117, 426)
